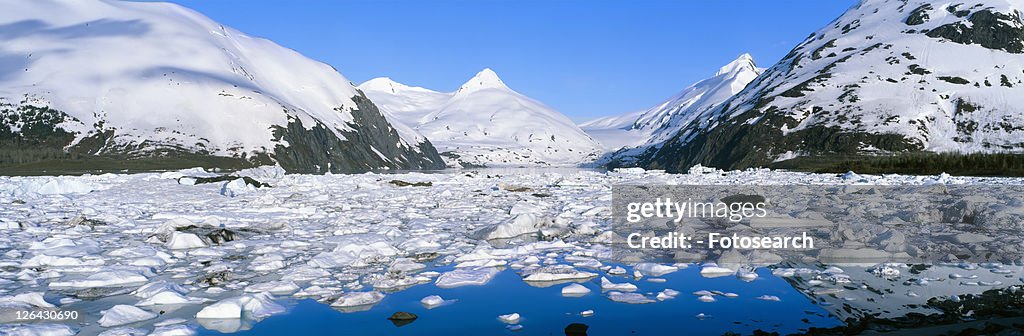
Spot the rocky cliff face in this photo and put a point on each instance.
(887, 77)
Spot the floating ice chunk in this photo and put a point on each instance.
(509, 318)
(588, 263)
(153, 288)
(575, 289)
(466, 277)
(405, 265)
(587, 313)
(617, 271)
(36, 329)
(65, 247)
(223, 309)
(482, 263)
(432, 301)
(263, 172)
(525, 223)
(54, 186)
(184, 240)
(236, 187)
(274, 287)
(730, 295)
(119, 278)
(256, 307)
(652, 269)
(514, 327)
(165, 298)
(45, 260)
(746, 276)
(32, 299)
(608, 285)
(354, 299)
(124, 314)
(711, 270)
(148, 262)
(702, 316)
(768, 298)
(557, 273)
(706, 298)
(632, 298)
(666, 294)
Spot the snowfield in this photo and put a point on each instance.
(130, 246)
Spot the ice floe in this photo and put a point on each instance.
(124, 314)
(466, 277)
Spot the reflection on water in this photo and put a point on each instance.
(544, 310)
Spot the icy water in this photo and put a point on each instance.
(135, 255)
(545, 311)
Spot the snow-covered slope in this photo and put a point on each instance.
(615, 132)
(485, 123)
(152, 79)
(888, 76)
(638, 131)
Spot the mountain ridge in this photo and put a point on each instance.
(135, 80)
(486, 123)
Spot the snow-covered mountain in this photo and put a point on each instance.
(131, 80)
(888, 76)
(485, 123)
(636, 132)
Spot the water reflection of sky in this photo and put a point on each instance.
(545, 311)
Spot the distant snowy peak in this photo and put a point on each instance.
(668, 117)
(141, 79)
(886, 77)
(483, 80)
(386, 84)
(485, 122)
(660, 122)
(744, 62)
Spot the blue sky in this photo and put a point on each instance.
(584, 58)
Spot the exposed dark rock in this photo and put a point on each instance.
(576, 329)
(994, 312)
(743, 199)
(42, 146)
(514, 188)
(227, 178)
(990, 29)
(402, 318)
(919, 15)
(81, 220)
(741, 145)
(401, 183)
(316, 149)
(215, 235)
(215, 279)
(954, 79)
(424, 257)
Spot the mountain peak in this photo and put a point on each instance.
(485, 79)
(743, 62)
(380, 84)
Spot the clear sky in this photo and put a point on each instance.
(584, 58)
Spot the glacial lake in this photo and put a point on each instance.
(545, 311)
